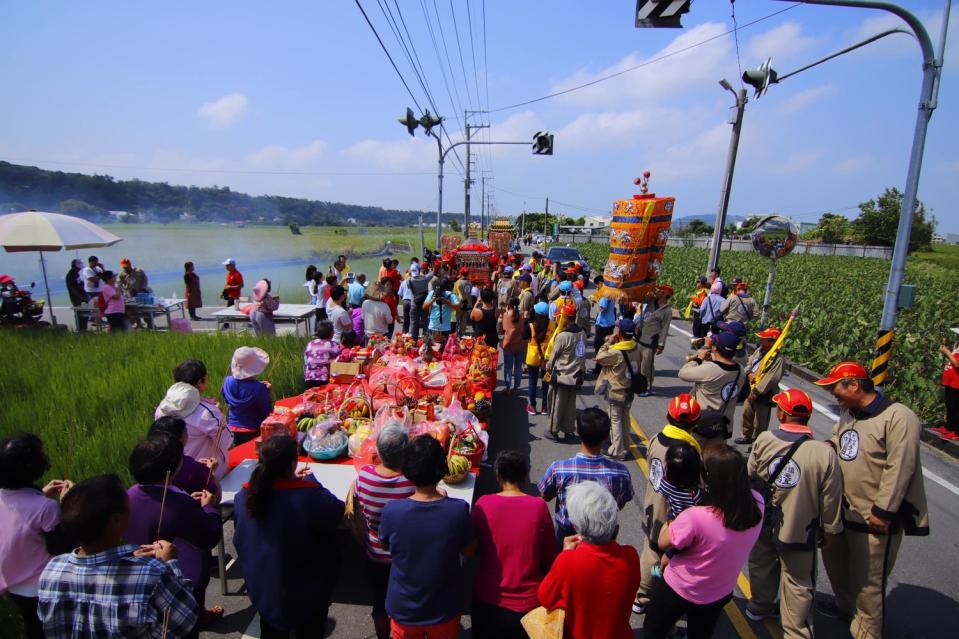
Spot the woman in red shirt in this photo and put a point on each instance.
(390, 300)
(594, 579)
(950, 388)
(516, 546)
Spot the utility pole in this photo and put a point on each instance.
(546, 229)
(468, 183)
(482, 201)
(728, 178)
(522, 223)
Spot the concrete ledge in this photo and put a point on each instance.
(949, 447)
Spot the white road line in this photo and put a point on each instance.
(829, 414)
(230, 563)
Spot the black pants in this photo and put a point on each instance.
(418, 320)
(666, 607)
(118, 322)
(28, 610)
(952, 408)
(315, 628)
(699, 330)
(407, 304)
(379, 577)
(493, 622)
(599, 338)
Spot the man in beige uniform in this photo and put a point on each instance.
(616, 357)
(463, 288)
(682, 415)
(758, 405)
(716, 376)
(883, 496)
(567, 365)
(653, 329)
(806, 498)
(740, 305)
(526, 299)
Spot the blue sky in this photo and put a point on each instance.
(230, 93)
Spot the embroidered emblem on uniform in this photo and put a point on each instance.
(849, 445)
(581, 348)
(789, 477)
(728, 391)
(656, 473)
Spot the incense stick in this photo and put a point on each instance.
(166, 623)
(214, 452)
(166, 487)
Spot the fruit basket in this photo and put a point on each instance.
(467, 443)
(458, 468)
(323, 444)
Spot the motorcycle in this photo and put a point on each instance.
(17, 306)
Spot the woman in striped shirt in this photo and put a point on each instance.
(375, 487)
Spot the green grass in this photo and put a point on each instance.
(91, 397)
(842, 300)
(945, 255)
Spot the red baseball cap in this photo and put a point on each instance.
(770, 333)
(843, 370)
(793, 402)
(569, 309)
(579, 284)
(684, 409)
(664, 290)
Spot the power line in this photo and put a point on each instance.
(223, 171)
(449, 63)
(383, 46)
(739, 62)
(642, 64)
(459, 46)
(469, 22)
(456, 106)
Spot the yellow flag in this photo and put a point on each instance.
(774, 351)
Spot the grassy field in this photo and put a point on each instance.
(945, 255)
(91, 397)
(841, 306)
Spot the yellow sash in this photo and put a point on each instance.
(674, 432)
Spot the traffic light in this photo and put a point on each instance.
(661, 13)
(543, 143)
(409, 121)
(761, 78)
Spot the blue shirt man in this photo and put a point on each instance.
(606, 318)
(441, 314)
(354, 294)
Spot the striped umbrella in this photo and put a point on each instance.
(41, 231)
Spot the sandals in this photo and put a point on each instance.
(209, 616)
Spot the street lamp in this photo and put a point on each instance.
(737, 123)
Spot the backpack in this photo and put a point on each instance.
(101, 302)
(773, 515)
(638, 382)
(419, 287)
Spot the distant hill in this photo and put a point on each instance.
(94, 196)
(709, 218)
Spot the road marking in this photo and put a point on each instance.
(829, 414)
(736, 617)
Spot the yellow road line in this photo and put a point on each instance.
(736, 616)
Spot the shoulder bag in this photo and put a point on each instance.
(773, 515)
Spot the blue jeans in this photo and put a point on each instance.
(513, 368)
(534, 374)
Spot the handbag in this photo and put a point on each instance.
(540, 623)
(638, 382)
(354, 517)
(773, 515)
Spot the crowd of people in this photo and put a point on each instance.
(98, 559)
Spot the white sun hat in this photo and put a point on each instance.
(248, 362)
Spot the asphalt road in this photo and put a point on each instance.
(923, 597)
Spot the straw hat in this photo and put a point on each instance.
(180, 401)
(248, 362)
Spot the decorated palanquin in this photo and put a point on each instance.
(474, 256)
(637, 242)
(499, 235)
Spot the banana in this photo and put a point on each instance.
(458, 464)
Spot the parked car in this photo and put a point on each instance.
(566, 255)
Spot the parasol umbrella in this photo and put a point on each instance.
(40, 231)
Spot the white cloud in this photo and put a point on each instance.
(797, 162)
(624, 128)
(701, 155)
(778, 43)
(408, 154)
(224, 111)
(281, 156)
(854, 164)
(799, 101)
(683, 70)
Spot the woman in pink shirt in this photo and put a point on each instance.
(115, 310)
(712, 542)
(29, 518)
(516, 546)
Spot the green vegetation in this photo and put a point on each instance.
(944, 255)
(91, 397)
(91, 196)
(841, 307)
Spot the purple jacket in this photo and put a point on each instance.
(193, 476)
(193, 529)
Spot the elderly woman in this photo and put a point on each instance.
(567, 368)
(594, 578)
(711, 542)
(261, 315)
(425, 535)
(376, 486)
(247, 398)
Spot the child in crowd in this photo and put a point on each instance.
(348, 339)
(682, 487)
(29, 520)
(206, 434)
(161, 511)
(318, 355)
(248, 398)
(359, 327)
(104, 588)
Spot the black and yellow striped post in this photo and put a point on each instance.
(880, 365)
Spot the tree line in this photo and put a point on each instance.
(93, 196)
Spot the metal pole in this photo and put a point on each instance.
(46, 284)
(422, 239)
(764, 318)
(931, 69)
(439, 196)
(483, 203)
(466, 183)
(727, 180)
